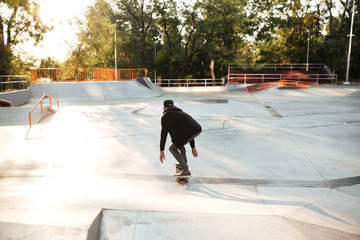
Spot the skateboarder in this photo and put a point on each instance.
(183, 129)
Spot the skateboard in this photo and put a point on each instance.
(180, 180)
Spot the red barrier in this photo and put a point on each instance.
(6, 102)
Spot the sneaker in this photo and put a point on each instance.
(177, 165)
(181, 174)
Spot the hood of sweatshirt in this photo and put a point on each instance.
(173, 108)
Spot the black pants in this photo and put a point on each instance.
(180, 154)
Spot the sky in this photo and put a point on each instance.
(61, 14)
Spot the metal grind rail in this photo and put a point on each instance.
(41, 104)
(282, 83)
(205, 82)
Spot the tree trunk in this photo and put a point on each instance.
(4, 51)
(329, 5)
(212, 68)
(2, 35)
(9, 28)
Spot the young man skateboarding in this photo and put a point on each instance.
(183, 129)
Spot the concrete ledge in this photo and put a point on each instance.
(10, 230)
(227, 87)
(236, 87)
(18, 230)
(130, 224)
(195, 89)
(17, 97)
(94, 229)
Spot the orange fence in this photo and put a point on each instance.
(85, 74)
(40, 102)
(282, 83)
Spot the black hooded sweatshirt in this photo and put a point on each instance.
(180, 125)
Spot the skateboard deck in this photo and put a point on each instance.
(181, 180)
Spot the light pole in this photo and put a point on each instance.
(350, 40)
(155, 63)
(307, 52)
(115, 51)
(115, 54)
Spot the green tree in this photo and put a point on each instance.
(337, 41)
(49, 63)
(355, 52)
(19, 22)
(137, 32)
(95, 47)
(283, 38)
(222, 30)
(177, 26)
(196, 37)
(169, 54)
(200, 40)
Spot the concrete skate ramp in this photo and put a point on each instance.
(17, 98)
(149, 84)
(122, 224)
(40, 232)
(92, 91)
(257, 176)
(322, 91)
(16, 230)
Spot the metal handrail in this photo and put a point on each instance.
(247, 77)
(282, 82)
(332, 76)
(233, 68)
(278, 66)
(18, 82)
(205, 82)
(40, 102)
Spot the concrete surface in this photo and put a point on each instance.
(276, 164)
(17, 98)
(91, 91)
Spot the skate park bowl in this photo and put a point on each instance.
(275, 164)
(94, 91)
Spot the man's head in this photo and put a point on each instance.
(168, 103)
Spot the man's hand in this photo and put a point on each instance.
(194, 152)
(162, 156)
